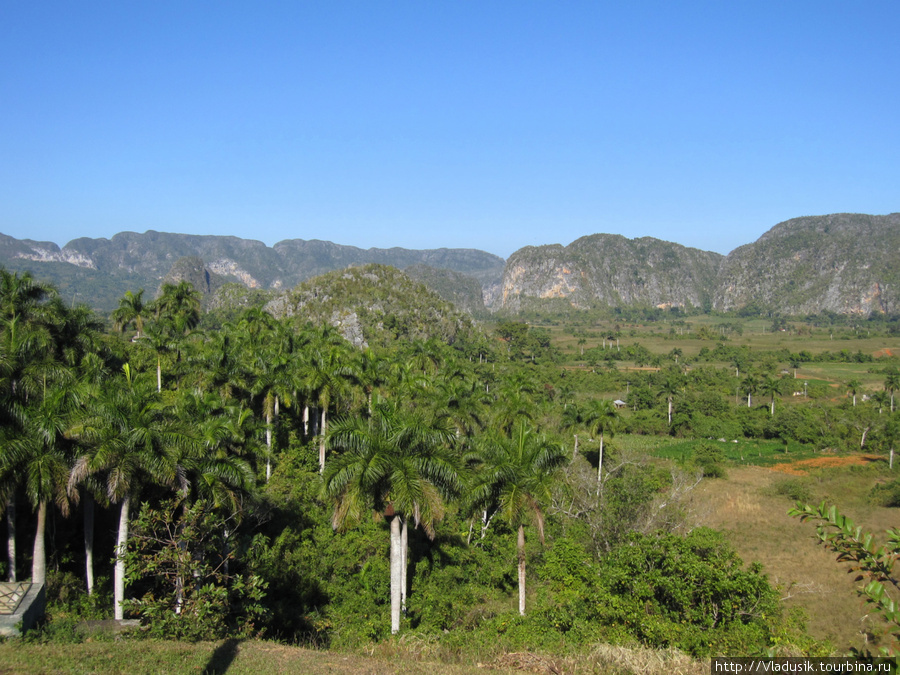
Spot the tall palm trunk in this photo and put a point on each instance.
(396, 564)
(600, 467)
(89, 541)
(268, 443)
(158, 373)
(404, 562)
(521, 552)
(11, 537)
(119, 574)
(322, 440)
(39, 557)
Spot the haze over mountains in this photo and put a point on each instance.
(844, 263)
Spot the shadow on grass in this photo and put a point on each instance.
(222, 657)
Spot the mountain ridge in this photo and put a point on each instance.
(844, 263)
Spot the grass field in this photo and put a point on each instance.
(256, 657)
(751, 507)
(662, 338)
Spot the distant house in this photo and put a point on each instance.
(619, 403)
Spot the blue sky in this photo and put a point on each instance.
(490, 125)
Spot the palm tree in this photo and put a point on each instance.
(131, 309)
(396, 464)
(514, 476)
(880, 398)
(274, 378)
(750, 385)
(853, 387)
(38, 456)
(892, 383)
(178, 305)
(601, 419)
(770, 386)
(221, 472)
(327, 378)
(26, 361)
(37, 453)
(134, 441)
(459, 397)
(22, 296)
(669, 385)
(372, 373)
(572, 418)
(161, 342)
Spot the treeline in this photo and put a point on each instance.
(265, 477)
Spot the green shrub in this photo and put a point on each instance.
(182, 563)
(689, 592)
(883, 494)
(709, 456)
(795, 489)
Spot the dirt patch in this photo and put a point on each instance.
(803, 466)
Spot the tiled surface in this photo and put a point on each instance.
(11, 595)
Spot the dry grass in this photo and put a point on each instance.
(805, 466)
(758, 525)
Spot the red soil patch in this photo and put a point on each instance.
(804, 466)
(882, 353)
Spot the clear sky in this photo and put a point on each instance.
(428, 124)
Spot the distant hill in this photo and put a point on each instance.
(99, 271)
(609, 269)
(374, 304)
(845, 263)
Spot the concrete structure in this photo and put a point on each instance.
(22, 605)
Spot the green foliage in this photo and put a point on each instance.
(182, 560)
(691, 593)
(795, 489)
(709, 457)
(524, 342)
(883, 494)
(378, 304)
(874, 563)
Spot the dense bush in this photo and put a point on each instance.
(883, 494)
(690, 592)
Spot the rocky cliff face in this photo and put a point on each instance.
(611, 270)
(844, 263)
